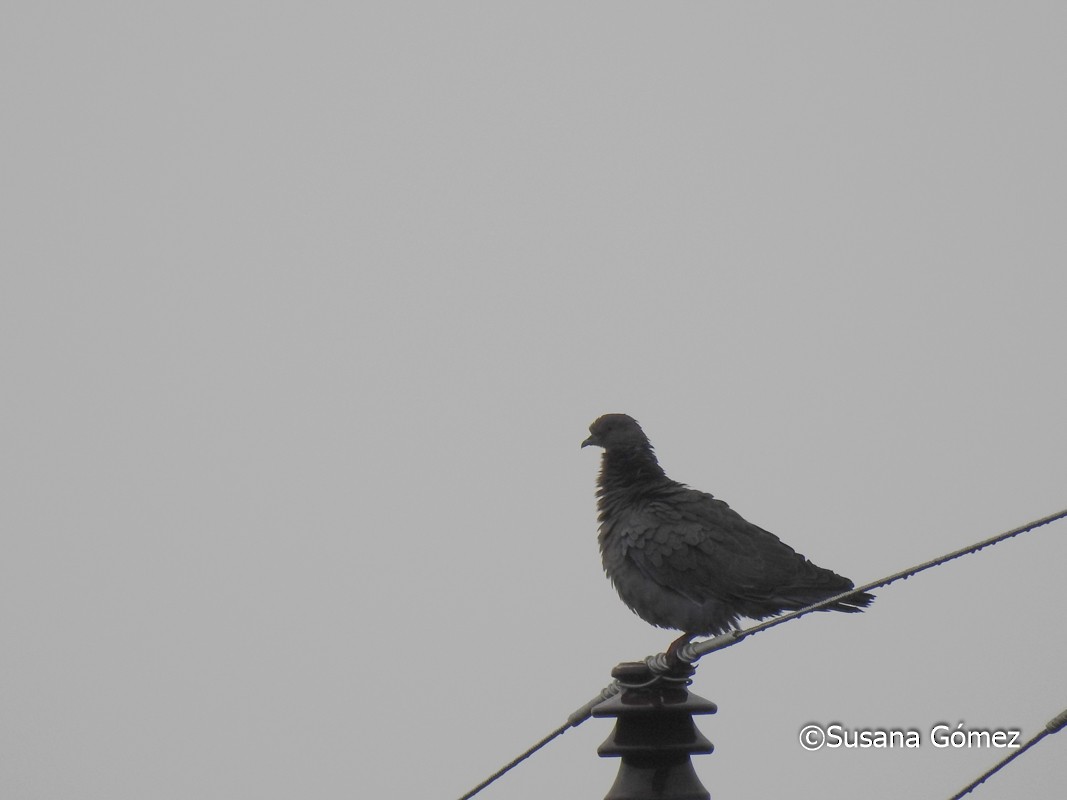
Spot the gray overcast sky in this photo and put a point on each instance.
(306, 308)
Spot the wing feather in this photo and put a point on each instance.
(697, 546)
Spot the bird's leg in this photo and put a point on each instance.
(672, 651)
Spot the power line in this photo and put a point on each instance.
(516, 761)
(690, 653)
(1052, 726)
(573, 721)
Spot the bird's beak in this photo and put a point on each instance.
(589, 441)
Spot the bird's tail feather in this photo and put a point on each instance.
(852, 603)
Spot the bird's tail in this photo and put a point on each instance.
(852, 603)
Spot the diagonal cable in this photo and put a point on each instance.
(575, 719)
(1052, 726)
(692, 652)
(660, 664)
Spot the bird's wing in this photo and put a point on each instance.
(699, 547)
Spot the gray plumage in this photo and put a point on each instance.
(683, 559)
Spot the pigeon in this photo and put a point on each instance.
(683, 559)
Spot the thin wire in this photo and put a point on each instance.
(690, 653)
(576, 718)
(1053, 725)
(512, 764)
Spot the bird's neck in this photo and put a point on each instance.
(623, 470)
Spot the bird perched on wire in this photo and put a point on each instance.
(683, 559)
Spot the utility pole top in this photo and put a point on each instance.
(655, 734)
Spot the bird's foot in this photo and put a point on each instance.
(672, 652)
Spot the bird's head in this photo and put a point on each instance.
(617, 432)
